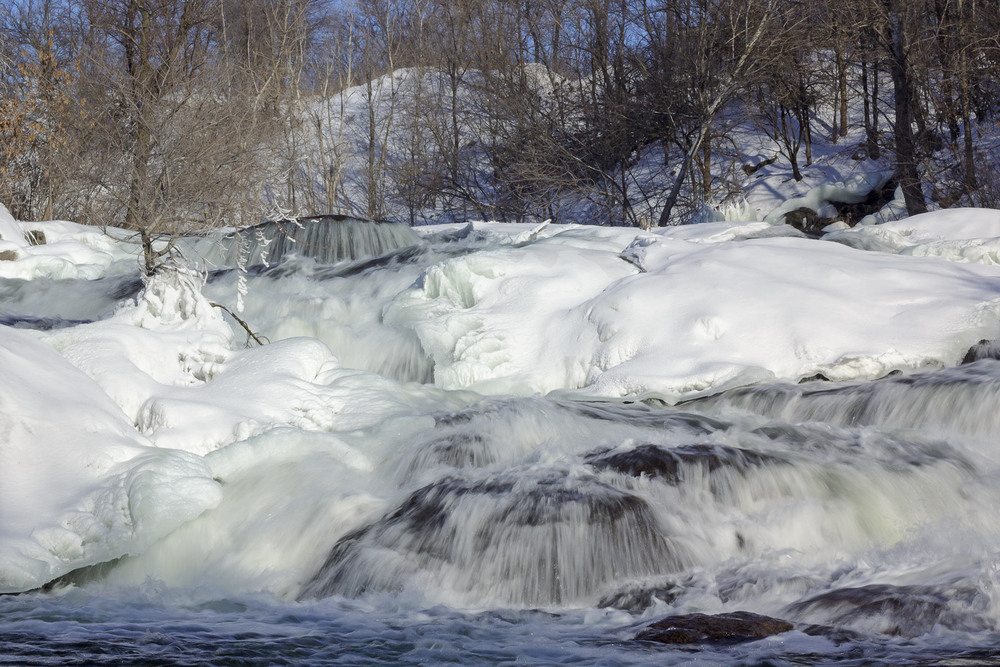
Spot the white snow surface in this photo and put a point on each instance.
(112, 433)
(70, 250)
(80, 484)
(691, 310)
(957, 235)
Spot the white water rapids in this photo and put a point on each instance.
(386, 518)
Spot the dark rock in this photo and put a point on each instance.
(732, 628)
(807, 221)
(666, 463)
(637, 599)
(461, 449)
(513, 528)
(907, 611)
(38, 323)
(8, 255)
(811, 223)
(83, 575)
(837, 635)
(984, 349)
(648, 414)
(873, 202)
(35, 237)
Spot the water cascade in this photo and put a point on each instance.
(364, 513)
(325, 238)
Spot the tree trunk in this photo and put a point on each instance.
(842, 81)
(675, 189)
(803, 115)
(706, 168)
(906, 151)
(871, 141)
(969, 157)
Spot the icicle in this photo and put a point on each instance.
(242, 253)
(262, 243)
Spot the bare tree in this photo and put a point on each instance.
(38, 105)
(894, 26)
(721, 48)
(170, 107)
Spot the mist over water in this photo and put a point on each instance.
(481, 529)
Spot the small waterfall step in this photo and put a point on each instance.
(326, 238)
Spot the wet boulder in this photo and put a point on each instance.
(637, 598)
(907, 611)
(732, 628)
(515, 538)
(984, 349)
(807, 221)
(667, 463)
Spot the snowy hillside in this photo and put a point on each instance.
(381, 140)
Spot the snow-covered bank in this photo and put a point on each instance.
(80, 484)
(692, 310)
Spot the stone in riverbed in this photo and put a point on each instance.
(984, 349)
(732, 628)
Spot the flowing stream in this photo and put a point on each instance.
(544, 530)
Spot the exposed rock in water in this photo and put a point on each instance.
(38, 323)
(807, 221)
(984, 349)
(35, 237)
(513, 538)
(8, 255)
(874, 201)
(837, 635)
(649, 415)
(638, 598)
(667, 463)
(83, 575)
(732, 628)
(907, 611)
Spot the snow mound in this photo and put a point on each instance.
(59, 250)
(84, 488)
(169, 336)
(689, 311)
(957, 235)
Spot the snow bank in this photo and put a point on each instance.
(80, 486)
(688, 311)
(853, 189)
(170, 336)
(64, 250)
(957, 235)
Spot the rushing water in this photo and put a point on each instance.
(547, 530)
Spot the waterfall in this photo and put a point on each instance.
(326, 238)
(963, 400)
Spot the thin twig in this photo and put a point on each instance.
(243, 324)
